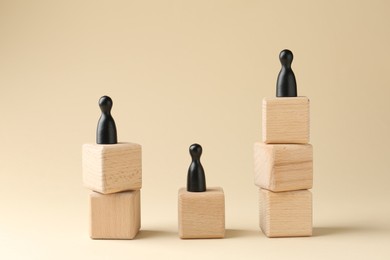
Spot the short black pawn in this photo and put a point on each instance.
(286, 85)
(106, 129)
(196, 180)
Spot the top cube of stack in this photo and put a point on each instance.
(112, 168)
(286, 120)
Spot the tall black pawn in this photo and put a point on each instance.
(286, 85)
(196, 180)
(106, 129)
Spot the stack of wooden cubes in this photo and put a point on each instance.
(114, 174)
(113, 171)
(284, 168)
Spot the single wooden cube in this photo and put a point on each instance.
(109, 168)
(115, 216)
(286, 214)
(283, 167)
(202, 214)
(286, 120)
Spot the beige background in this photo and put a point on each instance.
(191, 71)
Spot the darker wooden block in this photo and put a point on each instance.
(283, 167)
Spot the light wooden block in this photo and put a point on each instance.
(202, 214)
(283, 167)
(286, 214)
(113, 167)
(115, 216)
(286, 120)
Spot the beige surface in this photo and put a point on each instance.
(286, 214)
(181, 72)
(112, 168)
(115, 216)
(201, 214)
(286, 120)
(283, 167)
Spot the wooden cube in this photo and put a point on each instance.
(283, 167)
(202, 214)
(115, 216)
(110, 168)
(286, 214)
(286, 120)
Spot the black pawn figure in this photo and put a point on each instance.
(196, 180)
(106, 129)
(286, 85)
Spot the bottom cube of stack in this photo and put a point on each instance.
(286, 214)
(115, 216)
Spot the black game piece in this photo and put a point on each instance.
(286, 85)
(196, 180)
(106, 129)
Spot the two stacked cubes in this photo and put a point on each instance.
(114, 174)
(284, 168)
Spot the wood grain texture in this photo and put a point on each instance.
(112, 168)
(115, 216)
(286, 214)
(283, 167)
(202, 214)
(286, 120)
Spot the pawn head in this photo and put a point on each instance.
(105, 104)
(286, 57)
(195, 150)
